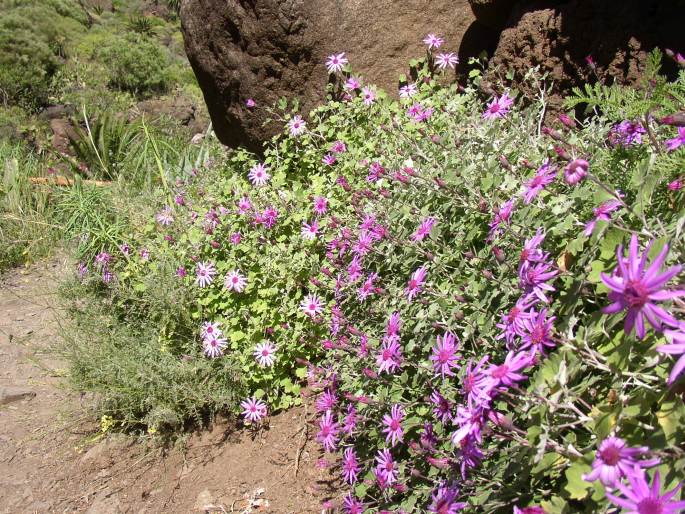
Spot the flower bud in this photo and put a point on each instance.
(561, 152)
(499, 254)
(567, 120)
(483, 206)
(487, 274)
(504, 162)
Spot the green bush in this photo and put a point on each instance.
(135, 64)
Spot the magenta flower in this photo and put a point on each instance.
(635, 289)
(392, 328)
(265, 353)
(214, 345)
(297, 126)
(328, 431)
(339, 147)
(389, 356)
(538, 331)
(531, 248)
(250, 103)
(512, 321)
(415, 283)
(445, 60)
(354, 269)
(529, 510)
(576, 171)
(320, 205)
(363, 244)
(470, 419)
(507, 373)
(386, 468)
(312, 305)
(336, 62)
(235, 281)
(103, 259)
(352, 505)
(641, 498)
(470, 455)
(368, 95)
(350, 420)
(533, 279)
(614, 460)
(244, 205)
(367, 288)
(350, 466)
(326, 401)
(475, 383)
(408, 91)
(423, 230)
(165, 216)
(677, 347)
(544, 176)
(210, 329)
(181, 272)
(310, 231)
(442, 409)
(502, 215)
(329, 159)
(393, 428)
(601, 213)
(498, 107)
(258, 174)
(376, 170)
(626, 133)
(253, 409)
(236, 237)
(676, 142)
(351, 84)
(444, 500)
(444, 355)
(433, 41)
(204, 273)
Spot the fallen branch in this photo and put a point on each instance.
(59, 180)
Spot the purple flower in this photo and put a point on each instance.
(445, 60)
(433, 41)
(367, 287)
(329, 159)
(470, 419)
(531, 249)
(363, 244)
(470, 454)
(250, 103)
(626, 133)
(204, 273)
(350, 420)
(258, 174)
(533, 279)
(576, 171)
(296, 126)
(181, 272)
(339, 147)
(501, 215)
(386, 469)
(507, 373)
(376, 170)
(352, 505)
(635, 289)
(352, 84)
(354, 269)
(676, 142)
(601, 213)
(320, 205)
(538, 329)
(615, 460)
(444, 500)
(423, 230)
(350, 466)
(311, 305)
(253, 409)
(165, 217)
(444, 355)
(336, 62)
(442, 409)
(393, 427)
(498, 107)
(103, 259)
(389, 357)
(326, 401)
(544, 176)
(475, 383)
(512, 321)
(309, 231)
(328, 431)
(408, 91)
(677, 347)
(529, 510)
(214, 345)
(368, 95)
(415, 283)
(236, 237)
(639, 498)
(392, 328)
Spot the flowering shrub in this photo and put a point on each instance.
(487, 306)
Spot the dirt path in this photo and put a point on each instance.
(52, 459)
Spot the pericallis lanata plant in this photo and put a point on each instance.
(489, 306)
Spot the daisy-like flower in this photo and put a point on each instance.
(544, 176)
(444, 355)
(393, 425)
(204, 273)
(512, 321)
(297, 126)
(213, 346)
(350, 465)
(533, 278)
(328, 431)
(386, 468)
(601, 213)
(253, 409)
(367, 287)
(352, 84)
(354, 269)
(165, 216)
(415, 283)
(423, 230)
(368, 95)
(498, 107)
(615, 460)
(442, 409)
(677, 347)
(470, 454)
(320, 205)
(326, 401)
(445, 60)
(531, 249)
(576, 171)
(507, 373)
(432, 41)
(475, 383)
(211, 329)
(235, 281)
(310, 231)
(389, 356)
(641, 498)
(352, 505)
(537, 331)
(336, 62)
(103, 259)
(265, 353)
(392, 328)
(125, 249)
(444, 500)
(311, 305)
(676, 142)
(250, 103)
(259, 174)
(501, 216)
(627, 133)
(329, 159)
(339, 147)
(408, 90)
(350, 420)
(244, 205)
(636, 287)
(181, 272)
(236, 237)
(470, 419)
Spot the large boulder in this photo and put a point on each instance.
(267, 49)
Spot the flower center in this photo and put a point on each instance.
(513, 314)
(494, 107)
(312, 307)
(444, 356)
(412, 284)
(611, 455)
(265, 352)
(387, 354)
(500, 371)
(635, 293)
(650, 506)
(538, 334)
(394, 425)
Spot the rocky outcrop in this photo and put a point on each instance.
(267, 49)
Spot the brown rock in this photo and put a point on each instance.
(179, 108)
(62, 133)
(267, 49)
(15, 394)
(492, 13)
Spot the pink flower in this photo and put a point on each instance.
(328, 431)
(498, 107)
(244, 205)
(254, 409)
(507, 373)
(336, 62)
(265, 353)
(601, 213)
(386, 470)
(297, 126)
(676, 142)
(250, 103)
(311, 305)
(310, 231)
(210, 329)
(639, 498)
(502, 215)
(350, 466)
(259, 175)
(636, 289)
(538, 331)
(214, 346)
(576, 171)
(544, 176)
(415, 283)
(235, 281)
(165, 216)
(329, 159)
(204, 273)
(236, 237)
(367, 288)
(368, 95)
(444, 500)
(393, 427)
(423, 230)
(389, 356)
(352, 505)
(351, 84)
(445, 60)
(320, 205)
(677, 347)
(433, 41)
(614, 460)
(443, 407)
(408, 91)
(339, 147)
(676, 185)
(444, 355)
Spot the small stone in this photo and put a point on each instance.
(15, 394)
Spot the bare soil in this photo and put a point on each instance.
(53, 458)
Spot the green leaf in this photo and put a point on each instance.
(576, 487)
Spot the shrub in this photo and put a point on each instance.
(447, 294)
